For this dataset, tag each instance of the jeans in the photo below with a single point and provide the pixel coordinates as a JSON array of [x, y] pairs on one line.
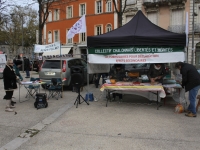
[[27, 73], [192, 98]]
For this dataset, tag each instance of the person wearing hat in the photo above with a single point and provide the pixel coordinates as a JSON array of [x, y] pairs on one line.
[[16, 66], [117, 72], [191, 83], [27, 67], [10, 79]]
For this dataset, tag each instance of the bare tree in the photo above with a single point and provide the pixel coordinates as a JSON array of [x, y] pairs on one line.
[[120, 9], [3, 16], [20, 26], [44, 7]]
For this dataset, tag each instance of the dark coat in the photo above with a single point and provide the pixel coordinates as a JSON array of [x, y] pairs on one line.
[[190, 76], [27, 64], [152, 73], [119, 75], [9, 78]]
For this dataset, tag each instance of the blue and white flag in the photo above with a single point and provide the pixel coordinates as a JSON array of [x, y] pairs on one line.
[[78, 27]]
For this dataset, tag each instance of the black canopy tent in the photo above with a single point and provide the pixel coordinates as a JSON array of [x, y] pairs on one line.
[[138, 31], [138, 41]]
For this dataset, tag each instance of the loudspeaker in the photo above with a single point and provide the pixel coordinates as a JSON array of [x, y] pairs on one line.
[[77, 76]]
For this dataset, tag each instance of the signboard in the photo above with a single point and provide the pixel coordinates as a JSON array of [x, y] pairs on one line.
[[98, 68], [2, 59], [47, 48], [134, 50], [137, 58], [136, 54]]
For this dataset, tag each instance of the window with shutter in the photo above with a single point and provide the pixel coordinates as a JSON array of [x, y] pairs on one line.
[[152, 16], [49, 37], [108, 28], [56, 14], [50, 17], [109, 6], [177, 17], [69, 12], [128, 18], [130, 2], [56, 36], [98, 7], [69, 40], [82, 9]]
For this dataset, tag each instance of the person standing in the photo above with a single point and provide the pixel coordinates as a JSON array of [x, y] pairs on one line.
[[104, 75], [27, 67], [117, 72], [191, 83], [10, 79], [16, 66], [40, 60]]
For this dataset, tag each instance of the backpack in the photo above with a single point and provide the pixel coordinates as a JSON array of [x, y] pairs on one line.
[[41, 101]]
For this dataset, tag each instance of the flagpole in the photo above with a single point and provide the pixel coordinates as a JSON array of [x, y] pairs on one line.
[[87, 66], [61, 71]]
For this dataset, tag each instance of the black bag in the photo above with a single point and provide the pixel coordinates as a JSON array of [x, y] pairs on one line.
[[41, 101]]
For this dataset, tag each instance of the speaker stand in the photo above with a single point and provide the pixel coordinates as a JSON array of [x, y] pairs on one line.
[[78, 100]]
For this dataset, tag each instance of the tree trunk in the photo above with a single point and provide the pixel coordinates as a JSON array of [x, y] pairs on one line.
[[40, 24], [119, 19]]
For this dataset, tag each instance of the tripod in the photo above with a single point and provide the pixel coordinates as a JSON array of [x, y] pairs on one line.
[[78, 100]]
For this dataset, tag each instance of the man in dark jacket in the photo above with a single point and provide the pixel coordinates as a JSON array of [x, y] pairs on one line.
[[156, 73], [27, 67], [191, 83]]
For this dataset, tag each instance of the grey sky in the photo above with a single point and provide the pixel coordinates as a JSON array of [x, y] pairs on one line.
[[32, 3]]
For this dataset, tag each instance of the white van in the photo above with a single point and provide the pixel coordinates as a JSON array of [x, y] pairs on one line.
[[2, 64]]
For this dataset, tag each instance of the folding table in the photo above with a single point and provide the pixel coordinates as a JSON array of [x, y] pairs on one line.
[[26, 84], [130, 88]]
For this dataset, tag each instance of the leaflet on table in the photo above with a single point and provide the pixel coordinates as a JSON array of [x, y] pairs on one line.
[[27, 82], [149, 84]]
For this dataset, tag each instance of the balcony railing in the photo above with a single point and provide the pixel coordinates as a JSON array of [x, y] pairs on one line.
[[197, 27], [162, 2], [177, 28]]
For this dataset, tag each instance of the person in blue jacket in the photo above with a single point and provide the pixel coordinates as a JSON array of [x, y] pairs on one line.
[[16, 67]]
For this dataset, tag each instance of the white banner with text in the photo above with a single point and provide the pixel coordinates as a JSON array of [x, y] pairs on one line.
[[47, 48], [137, 58]]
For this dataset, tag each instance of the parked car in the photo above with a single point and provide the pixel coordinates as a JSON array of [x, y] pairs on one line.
[[51, 68]]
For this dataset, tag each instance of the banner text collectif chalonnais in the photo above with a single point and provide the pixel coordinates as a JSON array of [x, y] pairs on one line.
[[134, 50]]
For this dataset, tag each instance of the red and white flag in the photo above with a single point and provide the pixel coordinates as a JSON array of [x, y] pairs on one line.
[[78, 27]]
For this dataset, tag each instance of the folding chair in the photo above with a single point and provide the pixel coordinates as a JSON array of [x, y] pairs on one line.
[[32, 89], [55, 89]]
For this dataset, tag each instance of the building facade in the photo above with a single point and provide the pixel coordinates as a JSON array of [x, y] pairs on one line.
[[101, 18]]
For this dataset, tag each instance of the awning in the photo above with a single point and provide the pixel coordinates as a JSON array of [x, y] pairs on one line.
[[56, 53]]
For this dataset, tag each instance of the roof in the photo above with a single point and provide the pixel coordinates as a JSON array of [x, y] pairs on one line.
[[138, 31]]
